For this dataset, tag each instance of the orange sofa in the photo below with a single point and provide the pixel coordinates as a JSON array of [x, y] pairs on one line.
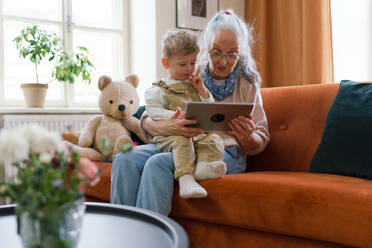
[[278, 203]]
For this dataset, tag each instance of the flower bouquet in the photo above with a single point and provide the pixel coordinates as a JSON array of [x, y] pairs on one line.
[[49, 187]]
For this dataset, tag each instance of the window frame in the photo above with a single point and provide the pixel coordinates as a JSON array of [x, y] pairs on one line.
[[1, 52], [67, 27]]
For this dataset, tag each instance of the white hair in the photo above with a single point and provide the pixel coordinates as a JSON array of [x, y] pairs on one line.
[[228, 20]]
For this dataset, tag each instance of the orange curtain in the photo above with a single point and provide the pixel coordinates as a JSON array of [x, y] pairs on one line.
[[293, 41]]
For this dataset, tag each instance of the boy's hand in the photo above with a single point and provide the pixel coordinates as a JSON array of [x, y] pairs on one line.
[[180, 114], [198, 84]]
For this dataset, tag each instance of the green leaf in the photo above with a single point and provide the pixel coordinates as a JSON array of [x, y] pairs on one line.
[[83, 48], [105, 142], [24, 52], [126, 148]]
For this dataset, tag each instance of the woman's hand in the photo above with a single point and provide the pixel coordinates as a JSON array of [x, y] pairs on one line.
[[198, 84], [175, 125], [243, 130]]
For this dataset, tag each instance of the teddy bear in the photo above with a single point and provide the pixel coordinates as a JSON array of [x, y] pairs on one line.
[[118, 101]]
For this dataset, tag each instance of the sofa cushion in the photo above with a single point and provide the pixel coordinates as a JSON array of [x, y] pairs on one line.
[[345, 145], [296, 117], [309, 205]]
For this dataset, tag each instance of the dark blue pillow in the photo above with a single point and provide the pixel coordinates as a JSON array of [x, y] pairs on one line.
[[346, 144], [138, 115]]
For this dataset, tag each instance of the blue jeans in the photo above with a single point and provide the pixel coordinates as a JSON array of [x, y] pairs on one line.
[[144, 177]]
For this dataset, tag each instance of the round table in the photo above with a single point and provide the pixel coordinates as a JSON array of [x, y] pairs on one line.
[[110, 225]]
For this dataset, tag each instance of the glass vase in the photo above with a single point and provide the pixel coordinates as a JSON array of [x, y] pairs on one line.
[[51, 227]]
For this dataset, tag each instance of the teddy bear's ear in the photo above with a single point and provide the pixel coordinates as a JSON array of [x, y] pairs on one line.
[[103, 81], [132, 79]]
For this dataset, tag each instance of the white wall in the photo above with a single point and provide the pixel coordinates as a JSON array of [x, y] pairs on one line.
[[236, 5], [165, 19], [143, 44], [149, 20]]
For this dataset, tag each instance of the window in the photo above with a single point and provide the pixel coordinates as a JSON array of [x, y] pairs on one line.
[[352, 39], [101, 26]]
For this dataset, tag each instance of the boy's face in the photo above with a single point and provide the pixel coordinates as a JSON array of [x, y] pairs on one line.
[[180, 66]]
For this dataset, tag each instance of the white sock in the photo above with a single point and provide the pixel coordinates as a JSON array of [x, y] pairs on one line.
[[189, 188], [210, 170]]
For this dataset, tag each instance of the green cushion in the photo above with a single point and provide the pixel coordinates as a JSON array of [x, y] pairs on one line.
[[346, 144]]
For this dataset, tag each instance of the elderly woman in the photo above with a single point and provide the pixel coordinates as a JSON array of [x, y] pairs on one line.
[[144, 176]]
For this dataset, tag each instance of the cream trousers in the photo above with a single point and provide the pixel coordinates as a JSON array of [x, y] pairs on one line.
[[187, 152]]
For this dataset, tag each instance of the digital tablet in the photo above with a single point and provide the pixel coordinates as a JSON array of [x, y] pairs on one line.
[[216, 116]]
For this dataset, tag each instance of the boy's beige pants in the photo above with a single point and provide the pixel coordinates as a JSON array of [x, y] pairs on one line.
[[187, 152]]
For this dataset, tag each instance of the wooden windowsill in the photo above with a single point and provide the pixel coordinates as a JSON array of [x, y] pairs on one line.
[[48, 110]]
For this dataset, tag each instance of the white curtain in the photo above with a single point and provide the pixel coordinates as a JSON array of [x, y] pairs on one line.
[[352, 39]]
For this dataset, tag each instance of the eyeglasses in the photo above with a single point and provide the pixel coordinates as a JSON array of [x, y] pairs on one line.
[[230, 57]]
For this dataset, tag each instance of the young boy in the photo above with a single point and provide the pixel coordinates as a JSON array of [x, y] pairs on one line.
[[180, 50]]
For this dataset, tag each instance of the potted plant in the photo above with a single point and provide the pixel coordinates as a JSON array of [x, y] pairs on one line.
[[36, 45]]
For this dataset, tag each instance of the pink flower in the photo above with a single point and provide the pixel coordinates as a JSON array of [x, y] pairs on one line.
[[90, 170]]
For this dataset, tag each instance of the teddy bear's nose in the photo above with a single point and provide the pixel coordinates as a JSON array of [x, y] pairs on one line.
[[121, 107]]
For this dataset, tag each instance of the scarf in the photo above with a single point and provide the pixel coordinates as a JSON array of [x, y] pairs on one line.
[[219, 92]]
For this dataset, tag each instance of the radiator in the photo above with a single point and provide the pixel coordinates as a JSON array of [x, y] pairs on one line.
[[57, 123], [53, 122]]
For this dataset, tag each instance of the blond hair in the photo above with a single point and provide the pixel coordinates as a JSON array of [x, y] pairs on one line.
[[177, 41]]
